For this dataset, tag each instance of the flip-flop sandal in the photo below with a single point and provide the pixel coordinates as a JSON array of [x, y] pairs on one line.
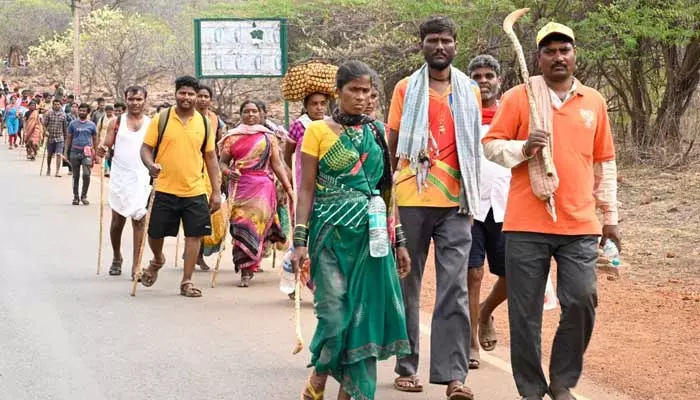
[[488, 337], [149, 276], [310, 392], [188, 289], [474, 363], [460, 392], [410, 384], [116, 268]]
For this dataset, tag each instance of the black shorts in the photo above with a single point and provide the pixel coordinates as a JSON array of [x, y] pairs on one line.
[[169, 210], [489, 241]]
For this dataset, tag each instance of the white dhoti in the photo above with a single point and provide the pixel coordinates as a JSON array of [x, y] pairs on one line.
[[129, 186]]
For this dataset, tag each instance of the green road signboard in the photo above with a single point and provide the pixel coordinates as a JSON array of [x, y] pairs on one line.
[[227, 48]]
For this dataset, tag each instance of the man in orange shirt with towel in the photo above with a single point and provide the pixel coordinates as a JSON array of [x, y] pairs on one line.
[[554, 215]]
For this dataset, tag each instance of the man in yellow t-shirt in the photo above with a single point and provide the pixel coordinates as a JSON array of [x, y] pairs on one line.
[[176, 160]]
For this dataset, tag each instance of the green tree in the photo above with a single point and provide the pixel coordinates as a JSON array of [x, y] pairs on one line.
[[53, 56], [649, 53], [26, 21], [117, 50], [120, 49]]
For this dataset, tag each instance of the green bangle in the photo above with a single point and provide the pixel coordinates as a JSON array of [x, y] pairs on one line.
[[301, 236]]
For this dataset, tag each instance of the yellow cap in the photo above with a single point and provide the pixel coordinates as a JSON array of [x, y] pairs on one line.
[[554, 27]]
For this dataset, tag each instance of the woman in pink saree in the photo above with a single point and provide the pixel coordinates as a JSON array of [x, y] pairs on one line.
[[249, 158]]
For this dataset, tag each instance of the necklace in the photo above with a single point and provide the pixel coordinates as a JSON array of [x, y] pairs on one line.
[[350, 120]]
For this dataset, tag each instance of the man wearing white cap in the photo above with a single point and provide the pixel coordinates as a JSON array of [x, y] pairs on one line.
[[560, 173]]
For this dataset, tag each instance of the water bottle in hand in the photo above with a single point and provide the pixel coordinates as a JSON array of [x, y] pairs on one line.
[[611, 252], [288, 277], [378, 235]]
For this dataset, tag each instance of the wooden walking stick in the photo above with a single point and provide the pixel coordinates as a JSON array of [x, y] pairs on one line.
[[508, 28], [43, 159], [229, 202], [299, 346], [177, 244], [102, 213], [147, 221]]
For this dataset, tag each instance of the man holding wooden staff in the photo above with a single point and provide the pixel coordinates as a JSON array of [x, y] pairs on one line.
[[551, 210], [129, 183]]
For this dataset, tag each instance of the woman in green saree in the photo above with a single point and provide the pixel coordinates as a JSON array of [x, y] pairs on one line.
[[358, 300]]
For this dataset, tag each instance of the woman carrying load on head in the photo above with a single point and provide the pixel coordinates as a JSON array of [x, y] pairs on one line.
[[250, 158], [315, 100], [359, 306]]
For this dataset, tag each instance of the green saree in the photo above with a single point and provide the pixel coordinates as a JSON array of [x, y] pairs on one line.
[[358, 299]]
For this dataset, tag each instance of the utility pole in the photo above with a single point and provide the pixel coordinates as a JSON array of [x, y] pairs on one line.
[[76, 48]]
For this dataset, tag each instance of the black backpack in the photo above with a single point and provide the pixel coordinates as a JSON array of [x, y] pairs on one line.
[[163, 118]]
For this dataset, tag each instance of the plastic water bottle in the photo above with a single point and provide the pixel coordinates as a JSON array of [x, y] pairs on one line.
[[378, 235], [287, 276], [611, 252], [550, 296]]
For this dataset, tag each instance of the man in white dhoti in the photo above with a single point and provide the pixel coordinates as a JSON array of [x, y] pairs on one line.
[[129, 185]]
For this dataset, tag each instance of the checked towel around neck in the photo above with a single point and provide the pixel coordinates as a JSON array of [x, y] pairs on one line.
[[414, 132]]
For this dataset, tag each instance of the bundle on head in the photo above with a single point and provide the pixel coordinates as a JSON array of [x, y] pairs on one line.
[[315, 76]]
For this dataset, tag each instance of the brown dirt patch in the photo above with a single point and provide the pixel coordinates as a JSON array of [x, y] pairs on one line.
[[647, 336]]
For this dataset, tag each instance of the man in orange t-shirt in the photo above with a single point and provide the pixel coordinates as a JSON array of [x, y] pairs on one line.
[[437, 201], [584, 159]]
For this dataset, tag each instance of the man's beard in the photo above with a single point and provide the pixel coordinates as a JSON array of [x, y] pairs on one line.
[[180, 104], [440, 65], [135, 111]]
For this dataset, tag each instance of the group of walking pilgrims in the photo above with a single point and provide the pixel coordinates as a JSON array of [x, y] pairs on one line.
[[456, 164]]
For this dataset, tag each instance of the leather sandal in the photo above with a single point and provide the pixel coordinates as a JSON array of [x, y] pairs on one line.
[[149, 276], [188, 289], [116, 268]]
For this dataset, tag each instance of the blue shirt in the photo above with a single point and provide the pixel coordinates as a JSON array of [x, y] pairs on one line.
[[82, 133]]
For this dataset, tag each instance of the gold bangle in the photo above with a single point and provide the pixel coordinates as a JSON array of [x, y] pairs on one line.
[[302, 225]]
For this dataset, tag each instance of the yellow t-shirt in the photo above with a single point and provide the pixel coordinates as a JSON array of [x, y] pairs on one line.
[[318, 139], [180, 154]]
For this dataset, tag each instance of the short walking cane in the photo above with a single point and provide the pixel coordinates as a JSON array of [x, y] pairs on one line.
[[147, 221], [229, 202], [102, 214]]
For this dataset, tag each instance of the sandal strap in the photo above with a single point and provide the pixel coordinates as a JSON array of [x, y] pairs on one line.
[[311, 391], [413, 379]]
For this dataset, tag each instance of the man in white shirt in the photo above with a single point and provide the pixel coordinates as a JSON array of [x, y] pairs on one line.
[[488, 240]]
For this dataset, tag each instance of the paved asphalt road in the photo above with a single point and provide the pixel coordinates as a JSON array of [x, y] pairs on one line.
[[69, 334]]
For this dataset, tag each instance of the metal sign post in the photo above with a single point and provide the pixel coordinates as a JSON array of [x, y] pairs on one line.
[[231, 48]]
